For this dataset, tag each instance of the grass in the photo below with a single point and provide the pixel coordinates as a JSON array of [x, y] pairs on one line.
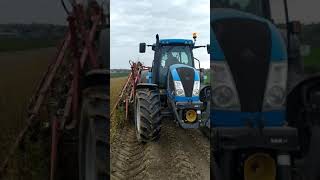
[[115, 75], [19, 72], [312, 62], [117, 120], [18, 44]]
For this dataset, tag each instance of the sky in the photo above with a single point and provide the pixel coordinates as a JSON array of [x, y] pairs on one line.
[[133, 22]]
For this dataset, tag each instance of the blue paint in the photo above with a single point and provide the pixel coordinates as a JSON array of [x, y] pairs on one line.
[[228, 118], [224, 118], [176, 77], [149, 75], [176, 41], [187, 99], [278, 47]]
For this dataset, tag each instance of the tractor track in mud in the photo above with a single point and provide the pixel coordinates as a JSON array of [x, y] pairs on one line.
[[178, 154]]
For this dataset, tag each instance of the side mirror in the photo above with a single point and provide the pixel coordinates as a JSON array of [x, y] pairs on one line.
[[295, 27], [142, 47], [208, 48], [153, 47]]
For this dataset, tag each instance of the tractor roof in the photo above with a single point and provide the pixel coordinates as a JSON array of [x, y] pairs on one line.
[[176, 41]]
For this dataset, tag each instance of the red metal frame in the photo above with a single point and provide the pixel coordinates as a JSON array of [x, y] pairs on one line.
[[79, 43], [127, 94]]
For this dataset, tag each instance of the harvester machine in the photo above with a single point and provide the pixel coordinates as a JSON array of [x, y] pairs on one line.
[[73, 95], [265, 111]]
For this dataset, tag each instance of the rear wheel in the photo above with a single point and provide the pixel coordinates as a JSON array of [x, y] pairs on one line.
[[147, 115], [93, 135], [104, 49]]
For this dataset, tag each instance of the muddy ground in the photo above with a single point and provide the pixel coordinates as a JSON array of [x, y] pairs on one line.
[[178, 154]]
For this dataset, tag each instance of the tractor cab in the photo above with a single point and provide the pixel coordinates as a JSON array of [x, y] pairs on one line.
[[172, 52], [168, 52]]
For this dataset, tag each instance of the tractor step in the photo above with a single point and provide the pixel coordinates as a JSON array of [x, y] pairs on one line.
[[166, 113]]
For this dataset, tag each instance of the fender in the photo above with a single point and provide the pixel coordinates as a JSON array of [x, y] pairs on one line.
[[205, 93], [147, 85], [296, 98], [96, 77]]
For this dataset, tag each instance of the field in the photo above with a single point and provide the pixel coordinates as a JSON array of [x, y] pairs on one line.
[[18, 44], [19, 72], [184, 154], [115, 75], [118, 119]]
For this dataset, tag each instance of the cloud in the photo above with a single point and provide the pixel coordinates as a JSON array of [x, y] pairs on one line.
[[133, 22]]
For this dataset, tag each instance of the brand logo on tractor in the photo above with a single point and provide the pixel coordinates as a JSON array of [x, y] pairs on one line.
[[278, 140]]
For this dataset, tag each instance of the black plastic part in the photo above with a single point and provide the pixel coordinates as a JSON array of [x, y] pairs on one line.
[[284, 172], [186, 75], [247, 52], [142, 47], [147, 85], [273, 138]]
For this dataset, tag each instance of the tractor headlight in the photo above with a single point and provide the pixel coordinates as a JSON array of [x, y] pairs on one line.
[[223, 96], [179, 88], [196, 88], [224, 93], [275, 96]]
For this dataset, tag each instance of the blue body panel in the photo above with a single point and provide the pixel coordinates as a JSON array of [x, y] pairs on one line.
[[176, 77], [176, 41], [149, 77], [227, 118], [223, 118], [278, 51]]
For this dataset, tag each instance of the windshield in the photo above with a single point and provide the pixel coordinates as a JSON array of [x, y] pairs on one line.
[[250, 6], [176, 55]]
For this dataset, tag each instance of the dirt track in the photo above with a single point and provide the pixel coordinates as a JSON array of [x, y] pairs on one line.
[[179, 154]]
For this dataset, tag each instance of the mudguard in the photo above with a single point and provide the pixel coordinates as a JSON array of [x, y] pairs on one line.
[[205, 93], [296, 98], [303, 112], [96, 77], [147, 85]]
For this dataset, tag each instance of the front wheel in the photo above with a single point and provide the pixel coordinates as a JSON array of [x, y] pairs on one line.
[[147, 115]]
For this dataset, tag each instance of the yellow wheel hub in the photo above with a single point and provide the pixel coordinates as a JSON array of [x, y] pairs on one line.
[[260, 166], [191, 116]]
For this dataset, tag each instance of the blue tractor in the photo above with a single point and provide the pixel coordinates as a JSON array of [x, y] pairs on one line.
[[172, 88], [265, 113]]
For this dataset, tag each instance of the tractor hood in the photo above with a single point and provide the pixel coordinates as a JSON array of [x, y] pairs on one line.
[[188, 76], [247, 50], [218, 16]]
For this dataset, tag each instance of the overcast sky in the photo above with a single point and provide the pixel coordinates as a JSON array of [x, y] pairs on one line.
[[28, 11], [138, 21], [135, 21]]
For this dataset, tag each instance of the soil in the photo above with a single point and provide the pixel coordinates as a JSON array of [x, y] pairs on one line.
[[178, 154]]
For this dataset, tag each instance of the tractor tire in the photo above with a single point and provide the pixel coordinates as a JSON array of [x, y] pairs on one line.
[[104, 49], [93, 134], [147, 115]]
